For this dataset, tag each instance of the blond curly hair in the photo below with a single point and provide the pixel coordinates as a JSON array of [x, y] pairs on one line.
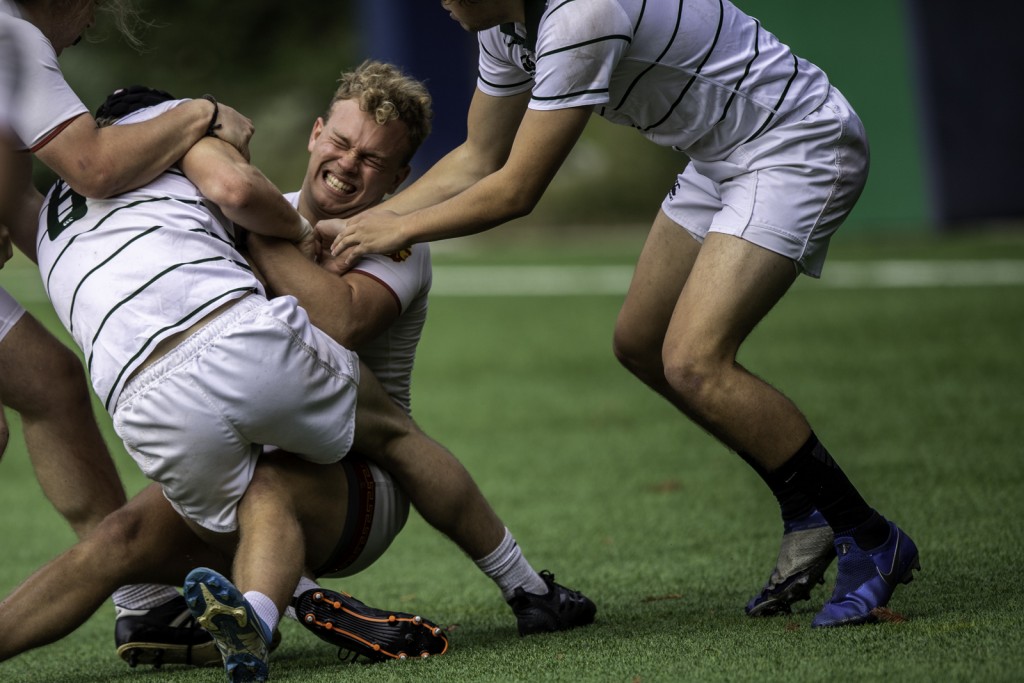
[[384, 91]]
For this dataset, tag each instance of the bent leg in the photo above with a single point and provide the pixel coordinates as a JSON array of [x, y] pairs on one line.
[[732, 286], [144, 541], [319, 499], [689, 308], [436, 482], [271, 546], [664, 264], [43, 381]]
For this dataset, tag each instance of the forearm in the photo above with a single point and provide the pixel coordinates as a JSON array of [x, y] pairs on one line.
[[452, 174], [103, 162], [285, 270], [488, 203], [325, 296], [258, 204], [504, 187], [243, 193]]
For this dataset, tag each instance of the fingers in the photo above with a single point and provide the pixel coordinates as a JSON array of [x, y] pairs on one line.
[[337, 245], [345, 257], [333, 265], [235, 129]]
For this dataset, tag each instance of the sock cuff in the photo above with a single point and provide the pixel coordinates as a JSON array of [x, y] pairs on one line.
[[504, 553], [143, 596], [784, 471]]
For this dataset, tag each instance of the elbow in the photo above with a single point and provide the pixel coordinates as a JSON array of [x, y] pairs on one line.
[[231, 191], [521, 202], [97, 182]]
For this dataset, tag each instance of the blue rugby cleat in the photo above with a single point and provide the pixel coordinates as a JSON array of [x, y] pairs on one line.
[[867, 578], [239, 633]]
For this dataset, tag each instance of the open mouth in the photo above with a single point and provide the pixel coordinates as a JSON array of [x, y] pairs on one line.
[[337, 184]]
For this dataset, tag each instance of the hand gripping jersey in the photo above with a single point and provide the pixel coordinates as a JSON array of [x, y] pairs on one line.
[[408, 277], [697, 75]]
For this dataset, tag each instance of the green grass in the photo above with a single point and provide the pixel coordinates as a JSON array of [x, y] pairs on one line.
[[919, 393]]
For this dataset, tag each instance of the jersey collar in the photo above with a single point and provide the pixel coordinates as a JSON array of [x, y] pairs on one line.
[[534, 10]]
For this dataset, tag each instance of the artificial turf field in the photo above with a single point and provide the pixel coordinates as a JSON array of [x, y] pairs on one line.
[[917, 388]]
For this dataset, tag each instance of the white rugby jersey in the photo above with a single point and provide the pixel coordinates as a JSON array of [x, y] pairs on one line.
[[10, 67], [408, 276], [697, 75], [127, 272], [45, 102]]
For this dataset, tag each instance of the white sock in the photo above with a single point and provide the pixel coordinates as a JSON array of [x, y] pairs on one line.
[[509, 569], [143, 596], [305, 584], [264, 608]]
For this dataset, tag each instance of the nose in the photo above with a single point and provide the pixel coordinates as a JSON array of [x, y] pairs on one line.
[[350, 160]]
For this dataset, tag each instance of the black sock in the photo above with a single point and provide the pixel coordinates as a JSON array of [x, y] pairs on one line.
[[792, 503], [814, 473]]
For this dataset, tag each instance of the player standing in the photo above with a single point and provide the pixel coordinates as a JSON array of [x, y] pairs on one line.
[[778, 158]]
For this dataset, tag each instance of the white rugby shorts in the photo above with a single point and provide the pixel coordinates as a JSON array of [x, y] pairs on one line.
[[788, 190], [260, 373], [10, 313]]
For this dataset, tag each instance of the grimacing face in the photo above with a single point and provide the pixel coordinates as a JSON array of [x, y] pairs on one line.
[[353, 162]]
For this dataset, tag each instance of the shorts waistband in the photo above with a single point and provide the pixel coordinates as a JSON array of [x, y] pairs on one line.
[[193, 345]]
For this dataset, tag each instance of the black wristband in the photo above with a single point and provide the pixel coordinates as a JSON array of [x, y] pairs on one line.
[[211, 130]]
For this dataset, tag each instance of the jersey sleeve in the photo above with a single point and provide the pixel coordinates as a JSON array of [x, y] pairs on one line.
[[406, 274], [45, 102], [498, 74], [578, 48]]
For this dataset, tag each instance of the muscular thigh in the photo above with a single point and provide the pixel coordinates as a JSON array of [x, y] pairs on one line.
[[349, 511], [33, 365], [319, 494], [732, 286], [662, 270], [154, 543]]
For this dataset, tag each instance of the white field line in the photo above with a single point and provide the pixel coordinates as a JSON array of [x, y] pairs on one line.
[[576, 280]]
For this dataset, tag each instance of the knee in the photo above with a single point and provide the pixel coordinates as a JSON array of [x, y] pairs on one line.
[[117, 536], [640, 356], [694, 378], [66, 391], [67, 374]]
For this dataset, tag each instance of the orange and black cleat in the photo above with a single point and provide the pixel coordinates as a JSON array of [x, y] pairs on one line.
[[378, 635]]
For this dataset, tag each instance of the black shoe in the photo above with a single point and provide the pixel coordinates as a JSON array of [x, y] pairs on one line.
[[560, 609], [163, 635], [378, 635]]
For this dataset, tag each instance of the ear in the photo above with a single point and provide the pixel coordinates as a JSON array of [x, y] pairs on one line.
[[318, 128], [400, 177]]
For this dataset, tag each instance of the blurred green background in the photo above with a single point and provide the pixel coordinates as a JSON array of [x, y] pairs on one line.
[[277, 63]]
